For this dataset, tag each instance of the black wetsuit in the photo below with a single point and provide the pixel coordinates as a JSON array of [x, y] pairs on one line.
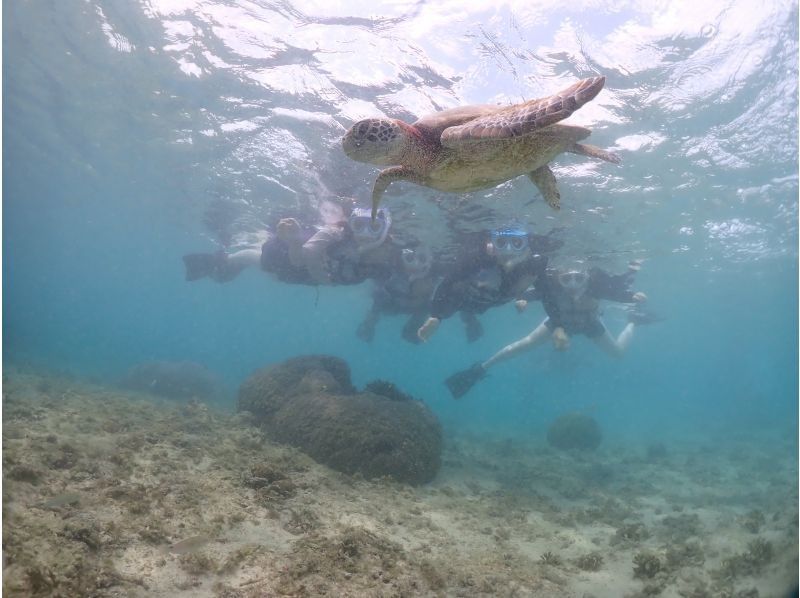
[[580, 315], [401, 295], [275, 259], [346, 265], [478, 282]]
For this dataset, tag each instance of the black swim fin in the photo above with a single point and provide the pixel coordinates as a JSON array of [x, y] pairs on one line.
[[199, 265], [461, 382]]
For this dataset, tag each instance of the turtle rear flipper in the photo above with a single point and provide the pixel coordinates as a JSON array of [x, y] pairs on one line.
[[461, 382], [584, 149]]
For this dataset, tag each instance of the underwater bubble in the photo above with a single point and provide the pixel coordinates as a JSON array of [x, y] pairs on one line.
[[708, 30]]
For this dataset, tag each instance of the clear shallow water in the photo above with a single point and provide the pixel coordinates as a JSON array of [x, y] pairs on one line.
[[137, 132]]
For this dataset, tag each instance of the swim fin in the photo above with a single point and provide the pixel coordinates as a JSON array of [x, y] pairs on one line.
[[199, 265], [461, 382]]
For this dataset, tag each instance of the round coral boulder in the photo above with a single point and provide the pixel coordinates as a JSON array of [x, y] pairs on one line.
[[574, 431], [310, 403]]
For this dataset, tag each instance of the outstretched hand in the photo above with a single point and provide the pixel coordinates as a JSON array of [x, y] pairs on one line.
[[521, 305]]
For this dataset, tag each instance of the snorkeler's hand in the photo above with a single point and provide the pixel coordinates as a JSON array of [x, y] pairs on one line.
[[427, 329], [560, 339], [639, 297], [521, 305]]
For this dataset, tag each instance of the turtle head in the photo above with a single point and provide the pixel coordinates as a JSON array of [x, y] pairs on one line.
[[376, 141]]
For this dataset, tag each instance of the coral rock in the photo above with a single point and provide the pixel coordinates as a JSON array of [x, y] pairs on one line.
[[310, 403]]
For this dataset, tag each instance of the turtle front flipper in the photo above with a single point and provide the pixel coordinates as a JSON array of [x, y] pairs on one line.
[[525, 118], [387, 177], [545, 180]]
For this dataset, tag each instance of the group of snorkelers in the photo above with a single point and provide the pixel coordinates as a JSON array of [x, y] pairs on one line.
[[491, 268]]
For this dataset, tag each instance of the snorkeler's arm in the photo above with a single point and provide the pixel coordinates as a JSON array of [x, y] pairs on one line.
[[613, 287], [535, 268], [528, 295], [446, 301], [533, 292], [449, 294]]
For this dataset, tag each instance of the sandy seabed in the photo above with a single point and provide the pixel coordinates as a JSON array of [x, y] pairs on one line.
[[109, 493]]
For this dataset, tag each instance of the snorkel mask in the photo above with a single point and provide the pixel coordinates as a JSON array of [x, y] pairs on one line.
[[574, 280], [367, 232], [509, 240], [509, 245], [416, 262]]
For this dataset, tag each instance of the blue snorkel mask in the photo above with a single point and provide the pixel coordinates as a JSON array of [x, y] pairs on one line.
[[509, 241], [368, 232]]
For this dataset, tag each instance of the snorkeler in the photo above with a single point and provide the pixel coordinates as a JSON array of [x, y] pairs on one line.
[[338, 253], [570, 298], [408, 290], [496, 269]]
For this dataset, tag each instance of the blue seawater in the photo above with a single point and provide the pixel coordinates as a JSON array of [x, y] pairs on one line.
[[136, 132]]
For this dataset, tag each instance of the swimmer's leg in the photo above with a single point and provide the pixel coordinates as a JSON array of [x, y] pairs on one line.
[[414, 322], [461, 382], [615, 347], [472, 326], [245, 258], [366, 330], [526, 343], [219, 266]]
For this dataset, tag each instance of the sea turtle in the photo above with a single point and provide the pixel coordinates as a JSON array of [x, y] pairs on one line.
[[476, 147]]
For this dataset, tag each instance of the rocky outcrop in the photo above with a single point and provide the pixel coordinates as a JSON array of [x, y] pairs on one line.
[[309, 402]]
